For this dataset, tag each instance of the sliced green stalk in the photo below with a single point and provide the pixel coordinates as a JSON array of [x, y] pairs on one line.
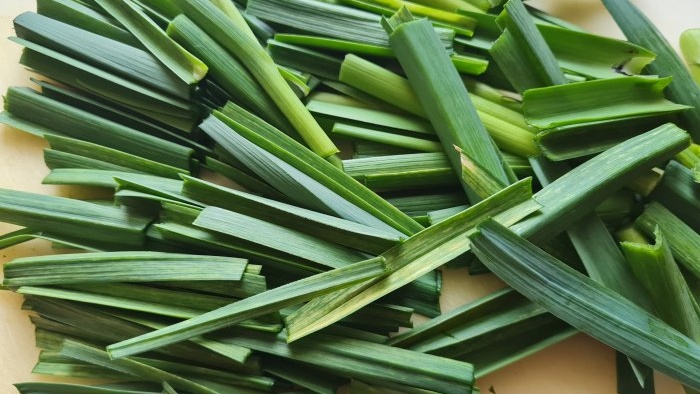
[[200, 239], [690, 47], [66, 388], [112, 156], [165, 9], [120, 267], [656, 269], [76, 123], [323, 226], [478, 179], [226, 69], [304, 59], [179, 114], [598, 100], [117, 114], [338, 21], [585, 304], [258, 61], [595, 56], [598, 251], [76, 14], [639, 30], [276, 237], [216, 377], [347, 112], [334, 44], [489, 332], [442, 95], [235, 14], [182, 63], [328, 175], [599, 254], [93, 355], [495, 331], [468, 312], [59, 160], [243, 179], [302, 375], [119, 298], [461, 23], [584, 139], [167, 389], [75, 369], [381, 83], [519, 44], [300, 186], [112, 56], [103, 327], [598, 178], [455, 5], [84, 177], [416, 256], [507, 127], [261, 304], [396, 172], [366, 360], [249, 285], [421, 204], [469, 64], [412, 143], [681, 239], [413, 170], [72, 218], [678, 192], [639, 154]]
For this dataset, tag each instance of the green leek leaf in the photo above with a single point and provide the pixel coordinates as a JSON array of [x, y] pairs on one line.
[[187, 67], [442, 96], [263, 303], [416, 256], [119, 267], [656, 269], [585, 304], [639, 30], [599, 100]]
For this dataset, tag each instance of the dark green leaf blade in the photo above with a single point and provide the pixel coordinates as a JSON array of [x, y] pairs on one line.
[[587, 305]]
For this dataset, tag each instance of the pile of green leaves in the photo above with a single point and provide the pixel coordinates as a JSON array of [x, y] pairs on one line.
[[290, 180]]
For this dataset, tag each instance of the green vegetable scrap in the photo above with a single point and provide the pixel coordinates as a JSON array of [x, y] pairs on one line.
[[282, 184]]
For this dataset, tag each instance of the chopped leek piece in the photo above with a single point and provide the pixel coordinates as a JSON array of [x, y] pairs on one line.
[[185, 65], [443, 97], [585, 304]]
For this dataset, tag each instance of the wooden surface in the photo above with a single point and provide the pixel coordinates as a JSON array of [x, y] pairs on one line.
[[579, 365]]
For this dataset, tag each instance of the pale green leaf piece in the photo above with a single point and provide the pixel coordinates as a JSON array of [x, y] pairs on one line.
[[683, 241], [690, 47], [599, 100], [656, 269]]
